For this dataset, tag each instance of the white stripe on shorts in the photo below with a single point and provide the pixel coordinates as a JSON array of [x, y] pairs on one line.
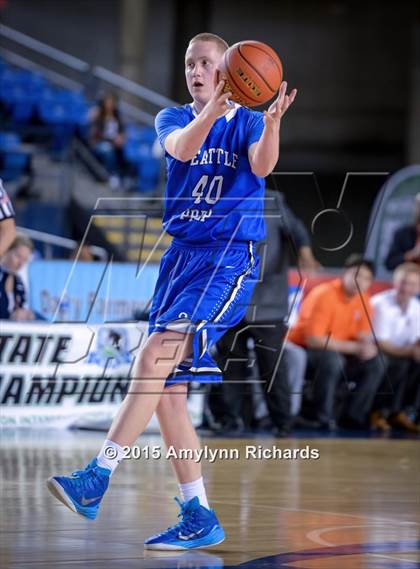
[[237, 287]]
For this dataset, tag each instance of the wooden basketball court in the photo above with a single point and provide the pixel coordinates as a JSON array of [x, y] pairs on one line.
[[356, 506]]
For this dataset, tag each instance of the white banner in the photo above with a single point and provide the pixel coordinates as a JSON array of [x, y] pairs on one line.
[[69, 375]]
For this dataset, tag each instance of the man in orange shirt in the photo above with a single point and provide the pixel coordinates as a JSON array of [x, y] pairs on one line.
[[334, 326]]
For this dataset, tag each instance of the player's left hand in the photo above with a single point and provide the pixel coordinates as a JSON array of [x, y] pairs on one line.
[[277, 109]]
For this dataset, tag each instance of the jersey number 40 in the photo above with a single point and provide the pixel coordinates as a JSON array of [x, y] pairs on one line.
[[212, 190]]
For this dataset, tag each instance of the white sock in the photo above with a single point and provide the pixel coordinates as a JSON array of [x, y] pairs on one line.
[[110, 455], [192, 489]]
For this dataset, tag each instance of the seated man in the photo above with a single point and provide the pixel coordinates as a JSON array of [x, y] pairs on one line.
[[396, 323], [12, 290], [333, 325]]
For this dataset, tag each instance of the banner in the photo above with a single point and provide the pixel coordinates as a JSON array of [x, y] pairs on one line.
[[394, 207], [67, 291], [66, 375]]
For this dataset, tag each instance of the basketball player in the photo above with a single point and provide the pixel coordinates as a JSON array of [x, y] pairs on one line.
[[217, 157]]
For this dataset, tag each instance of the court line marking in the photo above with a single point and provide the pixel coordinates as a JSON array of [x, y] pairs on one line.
[[359, 516], [393, 558], [268, 507], [315, 536]]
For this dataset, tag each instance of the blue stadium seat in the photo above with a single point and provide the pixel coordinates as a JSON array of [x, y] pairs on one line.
[[27, 95], [13, 161], [140, 134], [19, 91], [57, 110], [12, 165], [138, 151], [148, 174], [9, 141]]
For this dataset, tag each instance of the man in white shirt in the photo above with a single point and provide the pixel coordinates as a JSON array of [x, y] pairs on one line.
[[396, 323]]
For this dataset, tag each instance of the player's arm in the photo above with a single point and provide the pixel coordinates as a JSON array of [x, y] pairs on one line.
[[184, 143], [264, 154], [7, 234]]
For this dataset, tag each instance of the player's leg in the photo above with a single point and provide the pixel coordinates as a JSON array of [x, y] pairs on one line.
[[178, 432], [199, 526], [162, 353], [216, 309], [84, 490]]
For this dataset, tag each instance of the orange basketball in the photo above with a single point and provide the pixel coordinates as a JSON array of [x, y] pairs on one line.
[[252, 71]]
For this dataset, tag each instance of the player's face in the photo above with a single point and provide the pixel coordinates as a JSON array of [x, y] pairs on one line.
[[201, 61], [357, 278]]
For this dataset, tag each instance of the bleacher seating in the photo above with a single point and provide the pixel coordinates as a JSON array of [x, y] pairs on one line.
[[27, 97], [138, 152], [13, 160]]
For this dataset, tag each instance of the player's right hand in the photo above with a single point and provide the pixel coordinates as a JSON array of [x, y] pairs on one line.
[[219, 103]]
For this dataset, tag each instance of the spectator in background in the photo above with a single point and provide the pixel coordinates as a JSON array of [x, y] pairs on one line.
[[296, 361], [397, 329], [107, 137], [405, 246], [265, 324], [13, 303], [82, 252], [334, 327], [7, 221]]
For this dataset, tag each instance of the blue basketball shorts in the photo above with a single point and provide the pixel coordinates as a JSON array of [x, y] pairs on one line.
[[203, 290]]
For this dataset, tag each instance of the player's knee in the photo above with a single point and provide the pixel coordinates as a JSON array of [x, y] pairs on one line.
[[146, 362], [172, 402]]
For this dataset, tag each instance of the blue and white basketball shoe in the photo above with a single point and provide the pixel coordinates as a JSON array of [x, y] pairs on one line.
[[198, 528], [83, 491]]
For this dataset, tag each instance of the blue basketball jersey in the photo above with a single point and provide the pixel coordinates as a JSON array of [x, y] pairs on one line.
[[214, 197]]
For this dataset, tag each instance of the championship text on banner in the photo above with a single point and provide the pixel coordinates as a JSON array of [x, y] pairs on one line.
[[69, 374]]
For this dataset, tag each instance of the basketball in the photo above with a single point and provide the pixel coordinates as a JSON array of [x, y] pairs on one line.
[[252, 71]]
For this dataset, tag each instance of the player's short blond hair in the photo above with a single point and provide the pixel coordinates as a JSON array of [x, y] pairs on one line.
[[406, 269], [207, 36]]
